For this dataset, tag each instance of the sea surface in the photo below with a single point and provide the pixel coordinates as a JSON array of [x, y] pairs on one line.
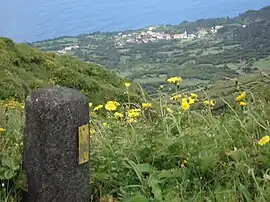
[[34, 20]]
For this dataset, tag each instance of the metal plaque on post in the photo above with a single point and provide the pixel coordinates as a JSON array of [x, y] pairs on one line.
[[83, 144]]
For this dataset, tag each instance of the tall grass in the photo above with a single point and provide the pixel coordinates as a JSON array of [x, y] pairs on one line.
[[165, 155]]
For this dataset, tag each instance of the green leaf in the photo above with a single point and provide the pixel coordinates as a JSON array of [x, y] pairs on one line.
[[136, 198], [2, 172], [14, 120], [245, 192], [145, 168], [102, 177], [236, 154], [21, 182], [10, 163], [9, 174], [156, 190]]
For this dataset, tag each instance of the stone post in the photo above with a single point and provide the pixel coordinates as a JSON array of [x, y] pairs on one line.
[[56, 146]]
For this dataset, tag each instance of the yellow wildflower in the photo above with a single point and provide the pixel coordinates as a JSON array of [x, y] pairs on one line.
[[188, 100], [111, 105], [264, 140], [175, 80], [193, 95], [106, 125], [2, 130], [242, 103], [118, 115], [127, 84], [241, 96], [94, 114], [90, 104], [176, 97], [12, 105], [185, 104], [98, 107], [146, 105], [92, 131], [212, 103], [132, 120], [133, 113], [184, 163], [191, 100]]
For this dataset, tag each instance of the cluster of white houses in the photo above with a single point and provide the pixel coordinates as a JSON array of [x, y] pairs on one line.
[[68, 48], [150, 36]]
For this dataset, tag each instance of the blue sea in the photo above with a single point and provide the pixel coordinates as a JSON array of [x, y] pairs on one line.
[[33, 20]]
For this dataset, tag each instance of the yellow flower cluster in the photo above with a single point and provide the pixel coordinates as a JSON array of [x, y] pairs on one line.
[[12, 104], [193, 96], [186, 103], [98, 107], [264, 140], [2, 130], [132, 120], [111, 105], [118, 115], [240, 99], [210, 103], [184, 163], [175, 80], [147, 105], [127, 84], [176, 97], [92, 131], [134, 113]]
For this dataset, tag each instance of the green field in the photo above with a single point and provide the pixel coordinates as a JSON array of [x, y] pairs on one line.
[[263, 63]]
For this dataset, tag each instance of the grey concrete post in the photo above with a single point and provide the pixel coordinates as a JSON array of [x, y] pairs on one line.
[[56, 146]]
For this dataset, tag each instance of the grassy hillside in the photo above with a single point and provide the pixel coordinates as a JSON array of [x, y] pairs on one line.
[[23, 69], [167, 150], [230, 52]]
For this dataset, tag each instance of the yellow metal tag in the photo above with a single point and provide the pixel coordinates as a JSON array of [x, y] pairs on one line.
[[83, 144]]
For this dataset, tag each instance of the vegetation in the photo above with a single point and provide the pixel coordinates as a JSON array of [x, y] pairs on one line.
[[23, 69], [231, 52], [173, 149], [203, 137]]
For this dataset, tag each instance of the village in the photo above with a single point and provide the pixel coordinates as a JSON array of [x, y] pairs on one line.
[[150, 35]]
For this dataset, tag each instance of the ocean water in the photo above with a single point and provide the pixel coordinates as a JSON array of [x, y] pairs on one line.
[[33, 20]]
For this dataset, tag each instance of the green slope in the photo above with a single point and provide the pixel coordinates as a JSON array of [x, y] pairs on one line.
[[23, 69]]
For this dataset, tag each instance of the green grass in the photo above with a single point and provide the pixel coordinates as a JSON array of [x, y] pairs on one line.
[[263, 63], [188, 155], [24, 69], [201, 154], [67, 40]]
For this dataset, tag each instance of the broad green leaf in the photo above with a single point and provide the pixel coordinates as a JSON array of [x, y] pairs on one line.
[[11, 163], [102, 177], [156, 190], [2, 172], [145, 168], [245, 193], [9, 174], [137, 198], [21, 182]]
